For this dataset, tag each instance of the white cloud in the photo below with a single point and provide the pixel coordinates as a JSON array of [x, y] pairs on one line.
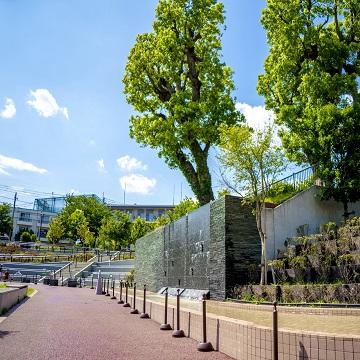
[[256, 116], [45, 104], [101, 165], [3, 172], [92, 142], [130, 163], [136, 183], [17, 164], [9, 109]]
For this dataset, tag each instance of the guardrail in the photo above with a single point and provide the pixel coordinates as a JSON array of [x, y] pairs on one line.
[[298, 179]]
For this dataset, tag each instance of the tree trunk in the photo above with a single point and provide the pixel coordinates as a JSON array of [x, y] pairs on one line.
[[258, 211], [199, 178]]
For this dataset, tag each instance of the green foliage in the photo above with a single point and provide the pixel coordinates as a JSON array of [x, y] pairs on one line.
[[19, 233], [255, 162], [130, 276], [181, 89], [56, 230], [311, 83], [115, 231], [139, 227], [94, 212], [5, 219], [279, 269], [223, 192], [180, 210], [27, 236]]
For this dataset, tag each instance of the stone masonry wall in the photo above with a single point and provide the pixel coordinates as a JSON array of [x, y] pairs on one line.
[[242, 242], [149, 260], [209, 249]]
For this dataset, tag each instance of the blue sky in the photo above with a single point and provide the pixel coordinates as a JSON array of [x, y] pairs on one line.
[[63, 114]]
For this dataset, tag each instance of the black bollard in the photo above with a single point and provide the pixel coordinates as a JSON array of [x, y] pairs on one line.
[[107, 288], [144, 314], [165, 325], [178, 333], [113, 291], [134, 309], [62, 280], [275, 332], [92, 281], [126, 295], [121, 301], [103, 285], [204, 346]]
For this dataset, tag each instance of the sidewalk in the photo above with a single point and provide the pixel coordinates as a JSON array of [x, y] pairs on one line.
[[71, 323]]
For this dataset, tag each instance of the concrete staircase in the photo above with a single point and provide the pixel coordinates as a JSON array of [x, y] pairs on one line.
[[116, 270]]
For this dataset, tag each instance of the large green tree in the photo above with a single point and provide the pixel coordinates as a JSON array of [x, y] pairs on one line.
[[93, 210], [115, 231], [5, 219], [181, 89], [311, 81]]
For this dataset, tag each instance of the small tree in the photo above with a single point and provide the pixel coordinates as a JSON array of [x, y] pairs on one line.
[[56, 230], [255, 162], [5, 219]]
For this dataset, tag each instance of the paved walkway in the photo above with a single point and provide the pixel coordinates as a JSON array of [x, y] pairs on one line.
[[71, 323]]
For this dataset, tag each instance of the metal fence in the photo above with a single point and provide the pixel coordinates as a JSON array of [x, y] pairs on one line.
[[298, 180]]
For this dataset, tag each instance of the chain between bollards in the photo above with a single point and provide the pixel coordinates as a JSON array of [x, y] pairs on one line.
[[178, 333], [144, 314], [126, 295], [275, 332], [165, 325], [204, 346], [134, 310], [121, 301]]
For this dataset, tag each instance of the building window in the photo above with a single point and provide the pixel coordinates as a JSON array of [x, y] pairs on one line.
[[141, 213], [25, 216], [45, 219]]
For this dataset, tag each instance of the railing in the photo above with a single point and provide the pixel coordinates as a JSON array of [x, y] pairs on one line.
[[297, 180]]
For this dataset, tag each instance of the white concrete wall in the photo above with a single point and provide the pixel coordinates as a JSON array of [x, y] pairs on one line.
[[304, 208]]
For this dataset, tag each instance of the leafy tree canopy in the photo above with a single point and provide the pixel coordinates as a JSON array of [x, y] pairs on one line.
[[5, 219], [93, 211], [311, 81], [180, 88], [56, 230], [115, 231], [181, 209], [139, 228]]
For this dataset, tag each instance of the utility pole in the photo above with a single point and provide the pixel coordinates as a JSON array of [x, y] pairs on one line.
[[103, 198], [124, 193], [174, 195], [13, 218]]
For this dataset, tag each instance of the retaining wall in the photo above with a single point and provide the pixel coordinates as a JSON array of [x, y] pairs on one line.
[[244, 341], [12, 295], [209, 249]]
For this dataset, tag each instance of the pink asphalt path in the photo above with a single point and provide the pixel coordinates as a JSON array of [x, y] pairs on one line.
[[70, 323]]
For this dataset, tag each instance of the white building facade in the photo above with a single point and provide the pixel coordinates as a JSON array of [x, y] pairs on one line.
[[29, 219]]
